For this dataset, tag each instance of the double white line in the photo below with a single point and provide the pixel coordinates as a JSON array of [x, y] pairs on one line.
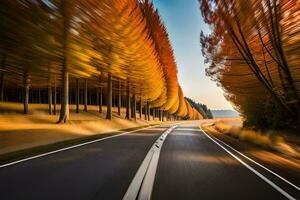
[[142, 183]]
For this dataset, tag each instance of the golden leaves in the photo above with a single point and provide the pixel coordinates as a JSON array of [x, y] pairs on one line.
[[123, 37]]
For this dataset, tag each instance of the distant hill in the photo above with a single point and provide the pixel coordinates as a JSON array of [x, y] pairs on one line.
[[201, 108], [224, 113]]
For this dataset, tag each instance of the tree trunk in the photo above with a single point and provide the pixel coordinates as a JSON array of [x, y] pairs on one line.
[[128, 114], [145, 113], [159, 115], [119, 99], [153, 113], [148, 111], [26, 92], [66, 11], [97, 97], [50, 99], [2, 78], [109, 97], [54, 99], [134, 107], [2, 86], [100, 100], [85, 95], [39, 96], [141, 108], [77, 95], [64, 110], [113, 99]]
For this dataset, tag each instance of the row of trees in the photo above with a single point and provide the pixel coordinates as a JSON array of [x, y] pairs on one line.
[[201, 108], [253, 52], [111, 48]]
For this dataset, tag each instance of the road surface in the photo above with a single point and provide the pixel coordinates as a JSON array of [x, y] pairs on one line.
[[191, 165]]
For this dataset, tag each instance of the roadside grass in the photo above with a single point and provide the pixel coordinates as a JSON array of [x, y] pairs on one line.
[[265, 140], [36, 133]]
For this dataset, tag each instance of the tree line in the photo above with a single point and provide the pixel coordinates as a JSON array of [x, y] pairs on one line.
[[253, 53], [201, 108], [112, 52]]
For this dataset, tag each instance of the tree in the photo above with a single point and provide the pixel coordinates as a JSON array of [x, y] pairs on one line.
[[247, 56]]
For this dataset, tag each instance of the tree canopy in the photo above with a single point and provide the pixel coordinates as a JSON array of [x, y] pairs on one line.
[[253, 54], [55, 42]]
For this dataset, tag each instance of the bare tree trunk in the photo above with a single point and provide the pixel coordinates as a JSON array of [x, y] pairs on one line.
[[97, 96], [148, 111], [39, 95], [100, 100], [64, 110], [85, 95], [141, 108], [128, 102], [2, 78], [119, 99], [145, 113], [153, 113], [54, 99], [134, 107], [26, 92], [113, 99], [66, 7], [50, 99], [77, 95], [159, 115], [109, 97]]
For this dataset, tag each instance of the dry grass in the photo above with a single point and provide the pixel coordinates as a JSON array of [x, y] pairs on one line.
[[18, 131], [262, 139]]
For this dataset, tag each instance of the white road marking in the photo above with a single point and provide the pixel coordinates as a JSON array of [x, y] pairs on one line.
[[260, 165], [142, 184], [70, 147], [276, 187]]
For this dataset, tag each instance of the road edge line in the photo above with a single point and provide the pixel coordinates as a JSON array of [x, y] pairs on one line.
[[276, 187], [70, 147], [260, 165]]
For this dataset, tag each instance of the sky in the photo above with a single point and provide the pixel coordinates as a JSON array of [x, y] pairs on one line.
[[184, 23]]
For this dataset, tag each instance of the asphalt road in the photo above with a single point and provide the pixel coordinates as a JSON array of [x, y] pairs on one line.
[[191, 166]]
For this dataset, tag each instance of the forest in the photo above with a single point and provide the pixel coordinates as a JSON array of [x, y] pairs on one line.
[[85, 52], [201, 108], [253, 53]]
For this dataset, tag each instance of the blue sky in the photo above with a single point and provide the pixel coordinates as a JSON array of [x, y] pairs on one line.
[[184, 24]]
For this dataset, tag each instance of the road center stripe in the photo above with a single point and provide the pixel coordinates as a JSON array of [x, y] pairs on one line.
[[142, 184]]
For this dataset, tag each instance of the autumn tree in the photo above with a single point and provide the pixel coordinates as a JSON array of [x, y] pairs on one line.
[[249, 56]]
